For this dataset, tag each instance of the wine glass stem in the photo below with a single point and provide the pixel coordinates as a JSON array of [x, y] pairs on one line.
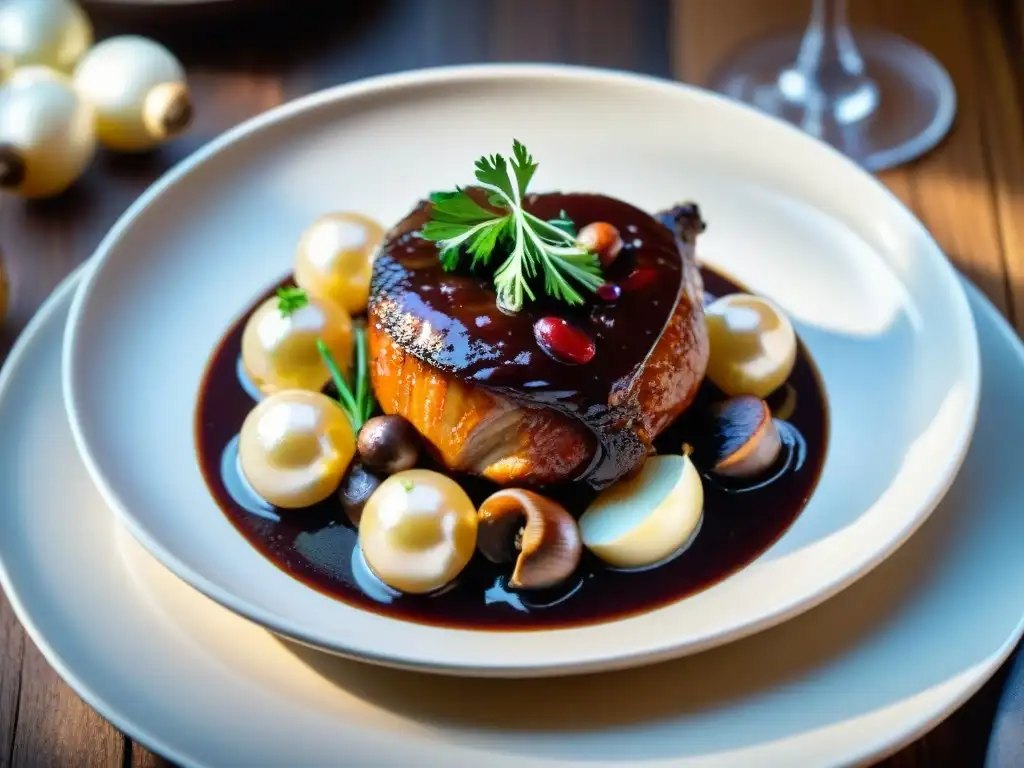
[[828, 74], [827, 40]]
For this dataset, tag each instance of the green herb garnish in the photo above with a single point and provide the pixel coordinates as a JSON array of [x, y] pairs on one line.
[[407, 484], [290, 299], [357, 404], [458, 223]]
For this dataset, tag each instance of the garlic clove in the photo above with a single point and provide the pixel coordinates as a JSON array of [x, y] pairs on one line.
[[139, 91], [55, 33], [642, 521], [47, 135]]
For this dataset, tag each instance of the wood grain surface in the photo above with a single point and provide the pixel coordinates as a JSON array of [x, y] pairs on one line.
[[245, 57]]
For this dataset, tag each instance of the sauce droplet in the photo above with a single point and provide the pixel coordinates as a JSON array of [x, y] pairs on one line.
[[608, 292], [562, 341], [639, 278]]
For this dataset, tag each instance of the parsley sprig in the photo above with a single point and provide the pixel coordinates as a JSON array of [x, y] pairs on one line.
[[357, 400], [458, 223], [291, 299]]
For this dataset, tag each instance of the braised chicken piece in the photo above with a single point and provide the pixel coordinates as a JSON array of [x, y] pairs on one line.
[[554, 392]]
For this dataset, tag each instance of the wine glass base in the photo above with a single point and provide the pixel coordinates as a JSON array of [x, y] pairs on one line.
[[916, 98]]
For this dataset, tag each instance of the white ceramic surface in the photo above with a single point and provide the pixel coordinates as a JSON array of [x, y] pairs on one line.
[[845, 683], [869, 292]]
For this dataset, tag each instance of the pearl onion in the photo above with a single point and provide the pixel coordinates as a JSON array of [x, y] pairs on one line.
[[281, 352], [334, 258], [46, 133], [294, 448], [753, 345], [138, 90], [418, 531], [54, 33]]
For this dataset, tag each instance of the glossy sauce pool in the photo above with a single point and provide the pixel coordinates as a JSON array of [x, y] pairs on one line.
[[319, 546]]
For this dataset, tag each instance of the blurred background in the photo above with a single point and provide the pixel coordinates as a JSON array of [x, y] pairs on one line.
[[245, 56]]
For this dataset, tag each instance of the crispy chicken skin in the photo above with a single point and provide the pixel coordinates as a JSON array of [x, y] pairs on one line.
[[472, 430], [470, 427]]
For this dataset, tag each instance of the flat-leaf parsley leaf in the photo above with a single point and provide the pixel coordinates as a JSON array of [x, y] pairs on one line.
[[291, 299], [459, 224]]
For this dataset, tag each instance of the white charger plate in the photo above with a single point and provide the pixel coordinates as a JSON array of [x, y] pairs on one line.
[[871, 295], [844, 684]]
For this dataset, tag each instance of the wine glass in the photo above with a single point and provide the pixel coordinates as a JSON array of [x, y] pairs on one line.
[[879, 99]]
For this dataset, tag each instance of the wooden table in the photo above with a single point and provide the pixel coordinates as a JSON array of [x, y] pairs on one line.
[[969, 192]]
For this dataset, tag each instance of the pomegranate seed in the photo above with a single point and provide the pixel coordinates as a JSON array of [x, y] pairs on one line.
[[639, 278], [608, 292], [603, 239], [562, 341]]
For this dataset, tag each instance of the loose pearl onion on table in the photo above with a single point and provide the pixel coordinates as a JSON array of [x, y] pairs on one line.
[[54, 33], [47, 133], [294, 448], [280, 351], [334, 258], [133, 88], [753, 345], [138, 90], [418, 531]]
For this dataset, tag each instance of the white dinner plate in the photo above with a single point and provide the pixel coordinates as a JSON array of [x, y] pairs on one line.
[[847, 682], [877, 304]]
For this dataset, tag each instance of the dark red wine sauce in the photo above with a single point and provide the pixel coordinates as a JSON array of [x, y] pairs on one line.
[[319, 546]]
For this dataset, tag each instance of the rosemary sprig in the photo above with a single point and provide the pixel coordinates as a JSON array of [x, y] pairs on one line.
[[364, 392], [357, 405]]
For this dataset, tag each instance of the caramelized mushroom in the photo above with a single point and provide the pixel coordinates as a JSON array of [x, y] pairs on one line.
[[389, 444], [748, 442], [535, 531], [355, 490]]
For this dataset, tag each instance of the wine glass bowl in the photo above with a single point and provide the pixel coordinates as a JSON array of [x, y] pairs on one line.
[[874, 96]]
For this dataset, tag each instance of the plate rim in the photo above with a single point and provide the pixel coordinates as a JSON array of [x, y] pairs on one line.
[[20, 349], [387, 83], [123, 720]]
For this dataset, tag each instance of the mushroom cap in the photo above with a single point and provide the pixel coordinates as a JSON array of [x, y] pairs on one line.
[[748, 439], [536, 532]]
